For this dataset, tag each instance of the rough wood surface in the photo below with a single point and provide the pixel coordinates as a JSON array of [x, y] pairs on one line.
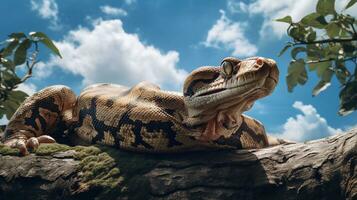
[[320, 169]]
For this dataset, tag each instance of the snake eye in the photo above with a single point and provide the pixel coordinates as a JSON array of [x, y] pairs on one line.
[[227, 68]]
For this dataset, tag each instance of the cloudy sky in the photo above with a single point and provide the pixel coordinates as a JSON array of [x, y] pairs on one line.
[[127, 41]]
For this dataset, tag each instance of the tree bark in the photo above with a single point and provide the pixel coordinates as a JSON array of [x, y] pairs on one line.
[[320, 169]]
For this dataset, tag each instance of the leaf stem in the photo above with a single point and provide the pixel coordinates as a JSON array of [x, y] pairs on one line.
[[30, 65]]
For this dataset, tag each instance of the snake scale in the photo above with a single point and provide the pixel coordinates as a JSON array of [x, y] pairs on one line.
[[146, 119]]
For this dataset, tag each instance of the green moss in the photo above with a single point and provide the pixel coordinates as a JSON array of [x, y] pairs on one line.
[[107, 171], [43, 150], [5, 150], [98, 170], [132, 163], [49, 149], [82, 152]]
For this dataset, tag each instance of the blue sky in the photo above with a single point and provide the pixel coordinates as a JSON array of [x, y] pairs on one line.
[[127, 41]]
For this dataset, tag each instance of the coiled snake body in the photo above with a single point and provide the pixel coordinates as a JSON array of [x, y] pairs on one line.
[[144, 118]]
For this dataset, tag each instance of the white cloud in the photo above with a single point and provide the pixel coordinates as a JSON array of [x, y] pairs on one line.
[[272, 10], [230, 35], [109, 10], [237, 6], [3, 121], [129, 2], [350, 127], [259, 108], [29, 88], [47, 9], [42, 70], [308, 126], [109, 54]]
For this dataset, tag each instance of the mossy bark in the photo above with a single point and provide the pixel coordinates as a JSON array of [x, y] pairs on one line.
[[321, 169]]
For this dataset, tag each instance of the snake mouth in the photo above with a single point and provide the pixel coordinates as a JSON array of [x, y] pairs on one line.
[[221, 91], [224, 87], [214, 91]]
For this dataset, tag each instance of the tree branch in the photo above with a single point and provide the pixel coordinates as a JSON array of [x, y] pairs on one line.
[[29, 65], [330, 59], [321, 169], [336, 40]]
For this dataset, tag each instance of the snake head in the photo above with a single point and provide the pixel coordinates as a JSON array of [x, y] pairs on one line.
[[224, 92]]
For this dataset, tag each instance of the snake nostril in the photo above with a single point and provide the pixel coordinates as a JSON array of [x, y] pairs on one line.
[[259, 62]]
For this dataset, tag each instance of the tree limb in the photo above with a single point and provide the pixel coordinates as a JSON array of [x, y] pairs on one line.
[[320, 169], [330, 59], [335, 40]]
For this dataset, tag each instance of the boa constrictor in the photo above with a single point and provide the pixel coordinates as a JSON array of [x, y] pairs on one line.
[[144, 118]]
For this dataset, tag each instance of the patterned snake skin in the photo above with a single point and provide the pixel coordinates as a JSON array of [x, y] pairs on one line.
[[146, 119]]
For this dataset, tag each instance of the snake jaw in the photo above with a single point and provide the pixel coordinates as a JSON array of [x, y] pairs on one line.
[[223, 124], [220, 126]]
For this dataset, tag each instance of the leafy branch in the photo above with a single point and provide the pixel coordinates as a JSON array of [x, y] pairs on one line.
[[325, 42], [12, 55], [336, 40], [331, 59]]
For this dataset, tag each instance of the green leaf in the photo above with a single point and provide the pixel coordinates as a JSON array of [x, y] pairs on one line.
[[348, 98], [17, 96], [313, 52], [8, 64], [9, 78], [321, 86], [296, 74], [327, 75], [333, 30], [10, 47], [315, 20], [294, 33], [351, 3], [297, 32], [10, 108], [286, 19], [311, 36], [325, 7], [341, 76], [284, 49], [323, 70], [348, 48], [9, 75], [44, 39], [296, 51], [21, 52], [332, 51], [18, 36], [320, 67]]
